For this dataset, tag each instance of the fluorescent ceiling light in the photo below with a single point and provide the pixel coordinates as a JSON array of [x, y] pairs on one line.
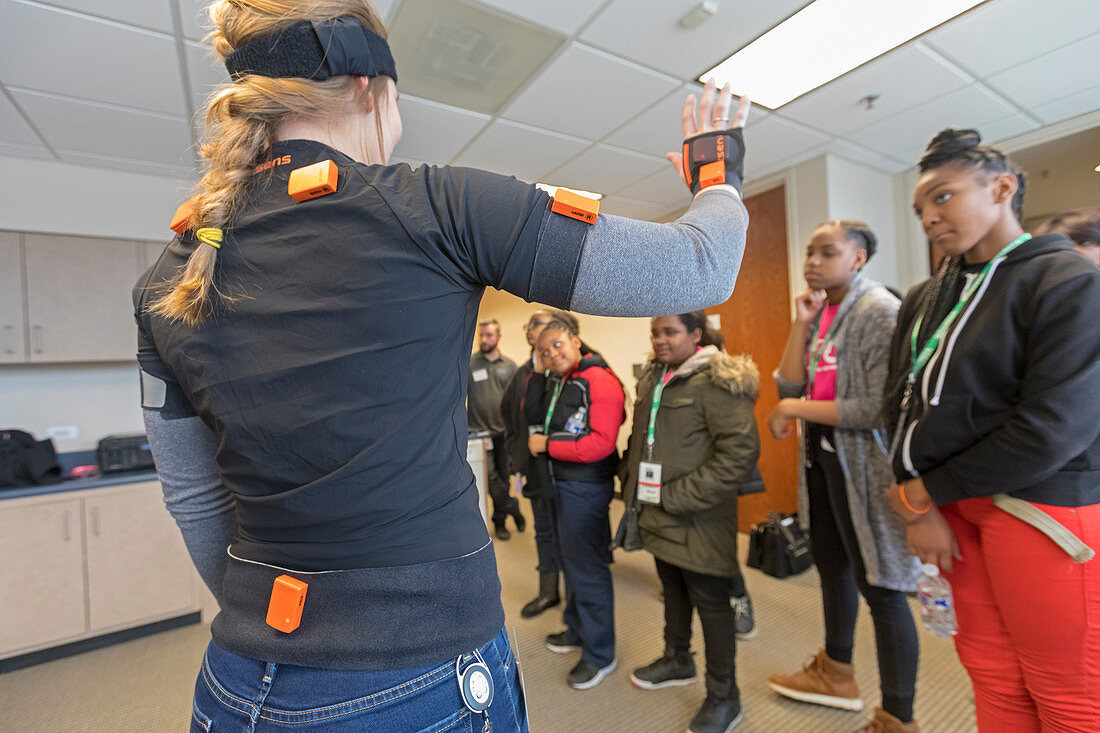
[[1097, 169], [824, 40], [553, 189]]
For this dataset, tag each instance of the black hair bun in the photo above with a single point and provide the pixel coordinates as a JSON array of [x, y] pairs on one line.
[[949, 144]]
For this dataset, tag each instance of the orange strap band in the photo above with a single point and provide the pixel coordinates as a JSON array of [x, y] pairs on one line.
[[910, 507]]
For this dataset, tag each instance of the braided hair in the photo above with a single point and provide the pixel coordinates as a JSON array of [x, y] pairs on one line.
[[964, 147]]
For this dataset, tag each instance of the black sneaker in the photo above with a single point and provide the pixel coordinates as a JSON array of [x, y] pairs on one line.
[[503, 533], [671, 670], [743, 621], [717, 715], [586, 675], [563, 642]]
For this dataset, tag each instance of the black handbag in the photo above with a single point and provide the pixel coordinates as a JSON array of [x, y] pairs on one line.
[[540, 478], [25, 461], [779, 547]]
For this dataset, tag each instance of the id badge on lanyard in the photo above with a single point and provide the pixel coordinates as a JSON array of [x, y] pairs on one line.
[[649, 472]]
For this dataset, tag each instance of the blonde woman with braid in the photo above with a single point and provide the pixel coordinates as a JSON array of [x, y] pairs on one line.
[[304, 346]]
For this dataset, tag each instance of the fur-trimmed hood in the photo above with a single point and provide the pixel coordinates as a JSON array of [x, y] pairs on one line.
[[737, 373]]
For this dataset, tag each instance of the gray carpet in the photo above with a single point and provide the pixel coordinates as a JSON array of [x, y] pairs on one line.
[[145, 685]]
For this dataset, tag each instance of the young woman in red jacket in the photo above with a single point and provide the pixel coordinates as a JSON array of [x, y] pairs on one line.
[[577, 404]]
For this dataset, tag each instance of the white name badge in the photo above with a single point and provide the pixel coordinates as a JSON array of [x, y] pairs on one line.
[[649, 482], [480, 375]]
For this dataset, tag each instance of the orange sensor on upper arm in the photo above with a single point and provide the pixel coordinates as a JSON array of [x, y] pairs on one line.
[[312, 181], [575, 206]]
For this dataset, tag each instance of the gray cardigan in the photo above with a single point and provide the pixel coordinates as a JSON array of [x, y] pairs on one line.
[[864, 326]]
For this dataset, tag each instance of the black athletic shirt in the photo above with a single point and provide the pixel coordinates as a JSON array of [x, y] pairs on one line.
[[334, 382]]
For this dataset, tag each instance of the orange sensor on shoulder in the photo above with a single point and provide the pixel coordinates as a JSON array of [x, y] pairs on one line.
[[288, 597], [312, 181], [575, 206], [181, 220]]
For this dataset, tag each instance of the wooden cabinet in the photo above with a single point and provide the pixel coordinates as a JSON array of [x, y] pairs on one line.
[[138, 566], [42, 574], [79, 305], [12, 306], [85, 563]]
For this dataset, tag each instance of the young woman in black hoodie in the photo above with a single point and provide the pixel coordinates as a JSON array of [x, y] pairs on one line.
[[995, 372]]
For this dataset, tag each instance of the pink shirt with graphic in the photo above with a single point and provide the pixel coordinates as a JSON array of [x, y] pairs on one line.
[[824, 383]]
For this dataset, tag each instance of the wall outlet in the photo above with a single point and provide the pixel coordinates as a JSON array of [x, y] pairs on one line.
[[63, 432]]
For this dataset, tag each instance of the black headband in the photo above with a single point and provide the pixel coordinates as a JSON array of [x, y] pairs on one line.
[[315, 50]]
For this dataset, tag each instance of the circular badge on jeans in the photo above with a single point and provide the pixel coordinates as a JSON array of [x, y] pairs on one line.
[[476, 684]]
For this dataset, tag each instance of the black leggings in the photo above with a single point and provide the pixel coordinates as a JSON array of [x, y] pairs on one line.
[[844, 578]]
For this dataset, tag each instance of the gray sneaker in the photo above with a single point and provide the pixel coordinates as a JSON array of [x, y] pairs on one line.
[[743, 621]]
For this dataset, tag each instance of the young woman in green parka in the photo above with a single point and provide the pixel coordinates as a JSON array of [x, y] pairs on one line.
[[693, 443]]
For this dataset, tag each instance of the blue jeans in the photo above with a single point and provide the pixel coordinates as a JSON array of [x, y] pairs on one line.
[[582, 537], [235, 693]]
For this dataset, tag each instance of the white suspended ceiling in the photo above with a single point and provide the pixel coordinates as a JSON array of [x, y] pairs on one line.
[[574, 92]]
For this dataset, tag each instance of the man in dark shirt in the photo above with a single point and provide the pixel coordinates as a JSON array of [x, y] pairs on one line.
[[490, 373]]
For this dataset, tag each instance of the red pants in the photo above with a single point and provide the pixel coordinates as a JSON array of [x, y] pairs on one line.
[[1029, 619]]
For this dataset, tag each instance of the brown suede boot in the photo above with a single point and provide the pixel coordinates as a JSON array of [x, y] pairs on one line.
[[821, 681], [884, 722]]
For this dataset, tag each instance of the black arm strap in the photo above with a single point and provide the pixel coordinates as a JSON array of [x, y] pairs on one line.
[[715, 158]]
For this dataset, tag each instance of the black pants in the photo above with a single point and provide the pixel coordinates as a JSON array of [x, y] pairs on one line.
[[710, 595], [496, 476], [544, 536], [844, 579]]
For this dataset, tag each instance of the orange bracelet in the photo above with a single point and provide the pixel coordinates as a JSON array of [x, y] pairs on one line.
[[910, 507]]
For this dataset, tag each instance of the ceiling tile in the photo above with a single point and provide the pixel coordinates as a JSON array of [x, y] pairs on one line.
[[665, 186], [179, 172], [656, 130], [14, 150], [1052, 76], [991, 132], [1071, 106], [108, 131], [423, 122], [604, 169], [564, 16], [205, 71], [58, 52], [13, 126], [866, 156], [972, 106], [902, 79], [195, 18], [634, 209], [650, 34], [518, 150], [1004, 33], [588, 93], [153, 14], [776, 139]]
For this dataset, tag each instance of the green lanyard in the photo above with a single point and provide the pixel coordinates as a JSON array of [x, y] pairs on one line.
[[657, 392], [918, 361], [553, 404]]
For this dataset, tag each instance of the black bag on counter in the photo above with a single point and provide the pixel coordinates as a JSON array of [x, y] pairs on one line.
[[25, 461], [779, 547]]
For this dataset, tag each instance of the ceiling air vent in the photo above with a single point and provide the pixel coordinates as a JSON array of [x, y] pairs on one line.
[[465, 55]]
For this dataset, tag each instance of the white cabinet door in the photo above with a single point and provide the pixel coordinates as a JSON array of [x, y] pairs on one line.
[[79, 298], [41, 574], [138, 566], [13, 327]]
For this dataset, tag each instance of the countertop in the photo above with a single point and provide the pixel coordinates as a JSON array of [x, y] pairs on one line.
[[110, 479]]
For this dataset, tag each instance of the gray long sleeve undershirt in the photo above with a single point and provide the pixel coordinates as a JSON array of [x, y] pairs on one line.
[[204, 510], [640, 268]]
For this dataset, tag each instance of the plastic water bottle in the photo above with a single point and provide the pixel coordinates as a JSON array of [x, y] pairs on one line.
[[575, 423], [937, 605]]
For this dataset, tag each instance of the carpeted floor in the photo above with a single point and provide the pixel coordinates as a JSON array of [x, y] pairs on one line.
[[145, 685]]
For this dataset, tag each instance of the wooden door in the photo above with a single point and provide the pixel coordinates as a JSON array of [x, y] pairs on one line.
[[138, 566], [755, 321], [42, 574], [12, 327]]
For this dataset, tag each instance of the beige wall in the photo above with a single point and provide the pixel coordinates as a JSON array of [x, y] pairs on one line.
[[622, 341]]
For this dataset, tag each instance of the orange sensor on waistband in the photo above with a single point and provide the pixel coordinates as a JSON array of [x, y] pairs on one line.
[[312, 181], [288, 597], [575, 206], [181, 220]]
